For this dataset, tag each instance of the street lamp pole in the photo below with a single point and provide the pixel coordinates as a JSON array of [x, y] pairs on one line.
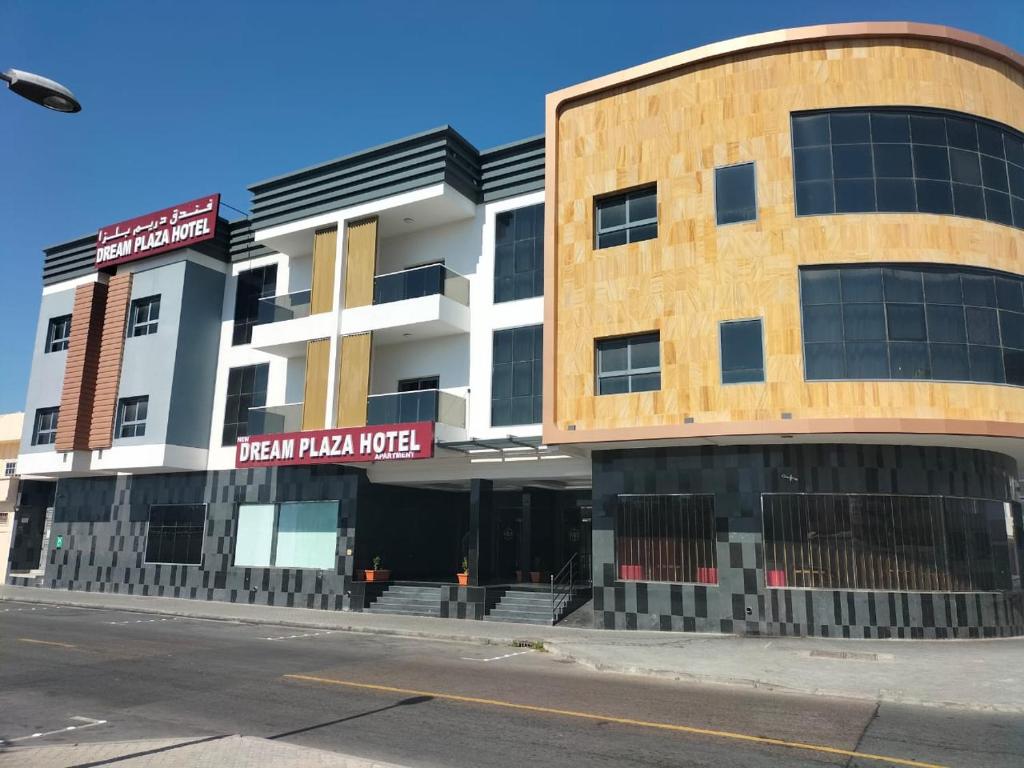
[[42, 90]]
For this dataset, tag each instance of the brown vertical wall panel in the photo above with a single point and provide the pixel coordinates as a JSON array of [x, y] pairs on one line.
[[108, 372], [325, 246], [354, 379], [360, 262], [314, 404], [76, 399]]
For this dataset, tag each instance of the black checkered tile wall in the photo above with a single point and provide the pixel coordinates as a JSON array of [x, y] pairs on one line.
[[741, 603]]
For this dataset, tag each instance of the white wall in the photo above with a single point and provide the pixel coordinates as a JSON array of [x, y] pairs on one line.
[[486, 317], [456, 244], [446, 357]]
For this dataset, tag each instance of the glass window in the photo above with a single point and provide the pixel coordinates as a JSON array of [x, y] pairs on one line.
[[58, 333], [907, 160], [897, 543], [301, 534], [144, 316], [519, 254], [629, 364], [742, 351], [516, 376], [912, 322], [626, 218], [175, 534], [735, 194], [247, 388], [666, 538], [131, 416], [44, 429], [10, 468], [253, 285]]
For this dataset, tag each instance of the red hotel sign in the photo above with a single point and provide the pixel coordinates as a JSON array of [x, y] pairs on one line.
[[157, 232], [386, 442]]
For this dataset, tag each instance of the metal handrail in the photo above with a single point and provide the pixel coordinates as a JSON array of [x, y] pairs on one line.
[[566, 588]]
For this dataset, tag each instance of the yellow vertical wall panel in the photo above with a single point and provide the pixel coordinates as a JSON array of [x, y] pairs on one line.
[[360, 262], [314, 404], [325, 248], [354, 379]]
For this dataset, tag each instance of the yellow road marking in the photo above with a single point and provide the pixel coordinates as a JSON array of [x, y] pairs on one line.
[[45, 642], [622, 721]]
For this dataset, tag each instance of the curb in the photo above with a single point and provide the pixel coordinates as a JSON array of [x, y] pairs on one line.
[[883, 696]]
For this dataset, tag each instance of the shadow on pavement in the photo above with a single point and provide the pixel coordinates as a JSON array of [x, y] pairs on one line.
[[402, 703]]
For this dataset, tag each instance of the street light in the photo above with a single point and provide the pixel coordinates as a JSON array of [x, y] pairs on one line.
[[41, 90]]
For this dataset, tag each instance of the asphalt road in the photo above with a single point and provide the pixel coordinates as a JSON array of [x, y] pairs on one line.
[[429, 703]]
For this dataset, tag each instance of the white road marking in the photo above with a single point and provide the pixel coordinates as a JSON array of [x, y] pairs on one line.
[[297, 637], [7, 610], [89, 722], [144, 621], [499, 658]]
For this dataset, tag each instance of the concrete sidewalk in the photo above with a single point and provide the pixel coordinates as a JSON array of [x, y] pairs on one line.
[[198, 752], [966, 674]]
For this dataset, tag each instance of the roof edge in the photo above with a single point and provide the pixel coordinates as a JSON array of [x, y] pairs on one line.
[[791, 36]]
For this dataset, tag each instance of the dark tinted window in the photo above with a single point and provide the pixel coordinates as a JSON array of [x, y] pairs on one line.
[[926, 161], [58, 333], [626, 218], [629, 364], [742, 352], [175, 534], [247, 388], [912, 322], [735, 195], [144, 316], [516, 376], [253, 285], [519, 254], [44, 429]]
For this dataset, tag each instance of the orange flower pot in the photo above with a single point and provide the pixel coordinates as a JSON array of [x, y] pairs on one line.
[[383, 574], [463, 579]]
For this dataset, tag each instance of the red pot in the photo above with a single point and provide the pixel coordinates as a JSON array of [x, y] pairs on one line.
[[775, 578], [707, 575], [382, 574]]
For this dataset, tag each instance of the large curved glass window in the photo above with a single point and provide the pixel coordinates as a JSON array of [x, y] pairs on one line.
[[899, 160], [912, 322]]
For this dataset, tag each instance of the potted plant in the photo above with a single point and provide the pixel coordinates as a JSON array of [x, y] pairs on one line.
[[535, 574], [464, 574], [378, 573]]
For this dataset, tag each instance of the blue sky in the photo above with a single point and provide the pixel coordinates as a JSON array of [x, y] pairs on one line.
[[186, 98]]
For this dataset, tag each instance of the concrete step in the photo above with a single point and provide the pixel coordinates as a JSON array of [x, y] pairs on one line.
[[395, 603], [492, 616], [526, 599], [405, 611]]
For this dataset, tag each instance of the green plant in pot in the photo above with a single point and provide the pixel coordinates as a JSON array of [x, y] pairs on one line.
[[377, 573], [464, 574]]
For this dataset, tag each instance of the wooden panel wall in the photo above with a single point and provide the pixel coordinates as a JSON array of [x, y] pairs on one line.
[[79, 389], [360, 262], [314, 403], [108, 373], [325, 248], [354, 379], [674, 130]]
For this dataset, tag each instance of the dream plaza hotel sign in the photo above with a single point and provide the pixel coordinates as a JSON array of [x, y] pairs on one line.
[[385, 442], [177, 227]]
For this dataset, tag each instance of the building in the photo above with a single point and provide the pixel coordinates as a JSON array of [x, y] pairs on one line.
[[739, 343], [10, 440]]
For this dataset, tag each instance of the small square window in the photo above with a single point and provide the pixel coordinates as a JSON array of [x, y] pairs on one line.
[[58, 333], [742, 351], [44, 430], [629, 364], [131, 416], [10, 468], [735, 194], [626, 218], [144, 316]]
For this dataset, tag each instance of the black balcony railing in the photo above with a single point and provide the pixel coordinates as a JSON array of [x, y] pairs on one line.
[[420, 281], [401, 407]]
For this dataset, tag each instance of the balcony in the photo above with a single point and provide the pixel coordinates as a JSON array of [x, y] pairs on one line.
[[275, 419], [412, 305], [421, 281], [284, 324], [443, 408], [287, 306]]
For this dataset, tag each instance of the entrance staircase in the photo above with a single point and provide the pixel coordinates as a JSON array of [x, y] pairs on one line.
[[522, 606], [408, 600]]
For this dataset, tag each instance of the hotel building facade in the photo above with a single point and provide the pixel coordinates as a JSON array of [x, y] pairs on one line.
[[736, 346]]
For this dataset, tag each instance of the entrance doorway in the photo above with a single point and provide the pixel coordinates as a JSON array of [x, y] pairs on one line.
[[507, 543], [30, 528]]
